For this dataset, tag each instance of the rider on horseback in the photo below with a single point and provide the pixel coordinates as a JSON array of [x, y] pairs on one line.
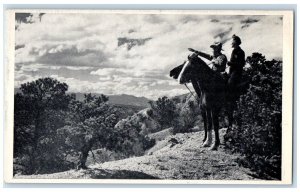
[[218, 59], [236, 63]]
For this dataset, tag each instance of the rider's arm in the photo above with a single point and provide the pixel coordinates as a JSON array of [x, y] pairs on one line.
[[205, 55], [199, 53]]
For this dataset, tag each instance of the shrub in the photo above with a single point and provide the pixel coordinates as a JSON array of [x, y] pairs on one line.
[[257, 130], [129, 138], [39, 110], [189, 116], [90, 122], [165, 111]]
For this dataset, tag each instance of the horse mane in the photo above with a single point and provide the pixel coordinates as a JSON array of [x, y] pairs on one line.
[[202, 67], [206, 79], [176, 71]]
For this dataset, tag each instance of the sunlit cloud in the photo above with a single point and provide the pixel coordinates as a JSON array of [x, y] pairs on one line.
[[132, 54]]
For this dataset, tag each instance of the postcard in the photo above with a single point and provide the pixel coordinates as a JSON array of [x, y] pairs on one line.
[[154, 97]]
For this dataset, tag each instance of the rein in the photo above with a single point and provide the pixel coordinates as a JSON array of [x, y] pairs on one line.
[[190, 91], [191, 94]]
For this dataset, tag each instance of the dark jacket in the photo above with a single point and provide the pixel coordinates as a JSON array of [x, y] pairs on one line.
[[237, 61]]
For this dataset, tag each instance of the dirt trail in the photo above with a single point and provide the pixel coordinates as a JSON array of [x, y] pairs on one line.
[[177, 157], [182, 157]]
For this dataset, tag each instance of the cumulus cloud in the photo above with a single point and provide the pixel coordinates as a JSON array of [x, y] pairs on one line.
[[130, 54]]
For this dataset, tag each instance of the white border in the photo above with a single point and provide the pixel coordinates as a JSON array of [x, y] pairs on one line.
[[286, 107]]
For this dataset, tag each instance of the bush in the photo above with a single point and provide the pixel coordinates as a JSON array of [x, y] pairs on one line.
[[39, 110], [90, 122], [189, 116], [182, 113], [165, 111], [129, 138], [257, 130]]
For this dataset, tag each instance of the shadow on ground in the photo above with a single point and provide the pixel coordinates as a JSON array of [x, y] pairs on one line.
[[117, 174]]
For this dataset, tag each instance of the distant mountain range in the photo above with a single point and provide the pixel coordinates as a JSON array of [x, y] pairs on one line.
[[122, 99]]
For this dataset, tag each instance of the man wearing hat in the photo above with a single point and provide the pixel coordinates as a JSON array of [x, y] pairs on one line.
[[218, 59]]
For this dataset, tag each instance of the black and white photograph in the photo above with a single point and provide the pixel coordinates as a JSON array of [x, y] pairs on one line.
[[150, 96]]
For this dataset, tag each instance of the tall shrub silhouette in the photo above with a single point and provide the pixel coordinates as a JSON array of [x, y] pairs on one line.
[[165, 111], [90, 122], [39, 111], [257, 130]]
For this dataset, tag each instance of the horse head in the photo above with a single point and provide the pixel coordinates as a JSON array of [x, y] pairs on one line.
[[189, 69]]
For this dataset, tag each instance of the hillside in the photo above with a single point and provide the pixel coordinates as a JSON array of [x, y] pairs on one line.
[[119, 100], [181, 97], [129, 100], [123, 99], [177, 156]]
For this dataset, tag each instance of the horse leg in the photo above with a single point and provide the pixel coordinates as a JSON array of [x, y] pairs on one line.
[[208, 140], [205, 124], [215, 120]]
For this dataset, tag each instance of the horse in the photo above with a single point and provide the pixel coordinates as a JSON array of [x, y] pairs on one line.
[[210, 88]]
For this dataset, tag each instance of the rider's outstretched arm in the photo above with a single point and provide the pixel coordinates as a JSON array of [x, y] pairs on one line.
[[205, 55], [201, 54]]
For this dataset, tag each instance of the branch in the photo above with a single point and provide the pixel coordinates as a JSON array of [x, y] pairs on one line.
[[95, 161]]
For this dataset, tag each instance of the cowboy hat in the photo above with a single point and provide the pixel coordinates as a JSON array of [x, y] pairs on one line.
[[217, 45]]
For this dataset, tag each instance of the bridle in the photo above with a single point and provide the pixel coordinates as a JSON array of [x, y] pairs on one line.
[[190, 91], [188, 99], [191, 94]]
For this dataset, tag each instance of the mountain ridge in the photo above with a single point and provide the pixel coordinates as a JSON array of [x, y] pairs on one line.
[[120, 99]]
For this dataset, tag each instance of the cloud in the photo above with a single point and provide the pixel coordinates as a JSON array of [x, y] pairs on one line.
[[23, 17], [131, 42], [223, 35], [27, 18], [19, 46], [247, 22], [214, 21], [71, 57], [131, 54]]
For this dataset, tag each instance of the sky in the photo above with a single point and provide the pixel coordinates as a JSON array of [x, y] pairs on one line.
[[130, 54]]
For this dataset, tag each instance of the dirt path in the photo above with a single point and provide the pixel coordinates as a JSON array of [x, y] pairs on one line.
[[176, 157], [183, 158]]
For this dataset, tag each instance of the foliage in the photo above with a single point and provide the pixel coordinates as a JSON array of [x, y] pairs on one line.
[[53, 131], [257, 132], [181, 112], [90, 121], [165, 111], [38, 112], [189, 116], [129, 137], [92, 124]]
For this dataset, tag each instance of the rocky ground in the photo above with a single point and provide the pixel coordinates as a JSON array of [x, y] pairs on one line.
[[179, 156]]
